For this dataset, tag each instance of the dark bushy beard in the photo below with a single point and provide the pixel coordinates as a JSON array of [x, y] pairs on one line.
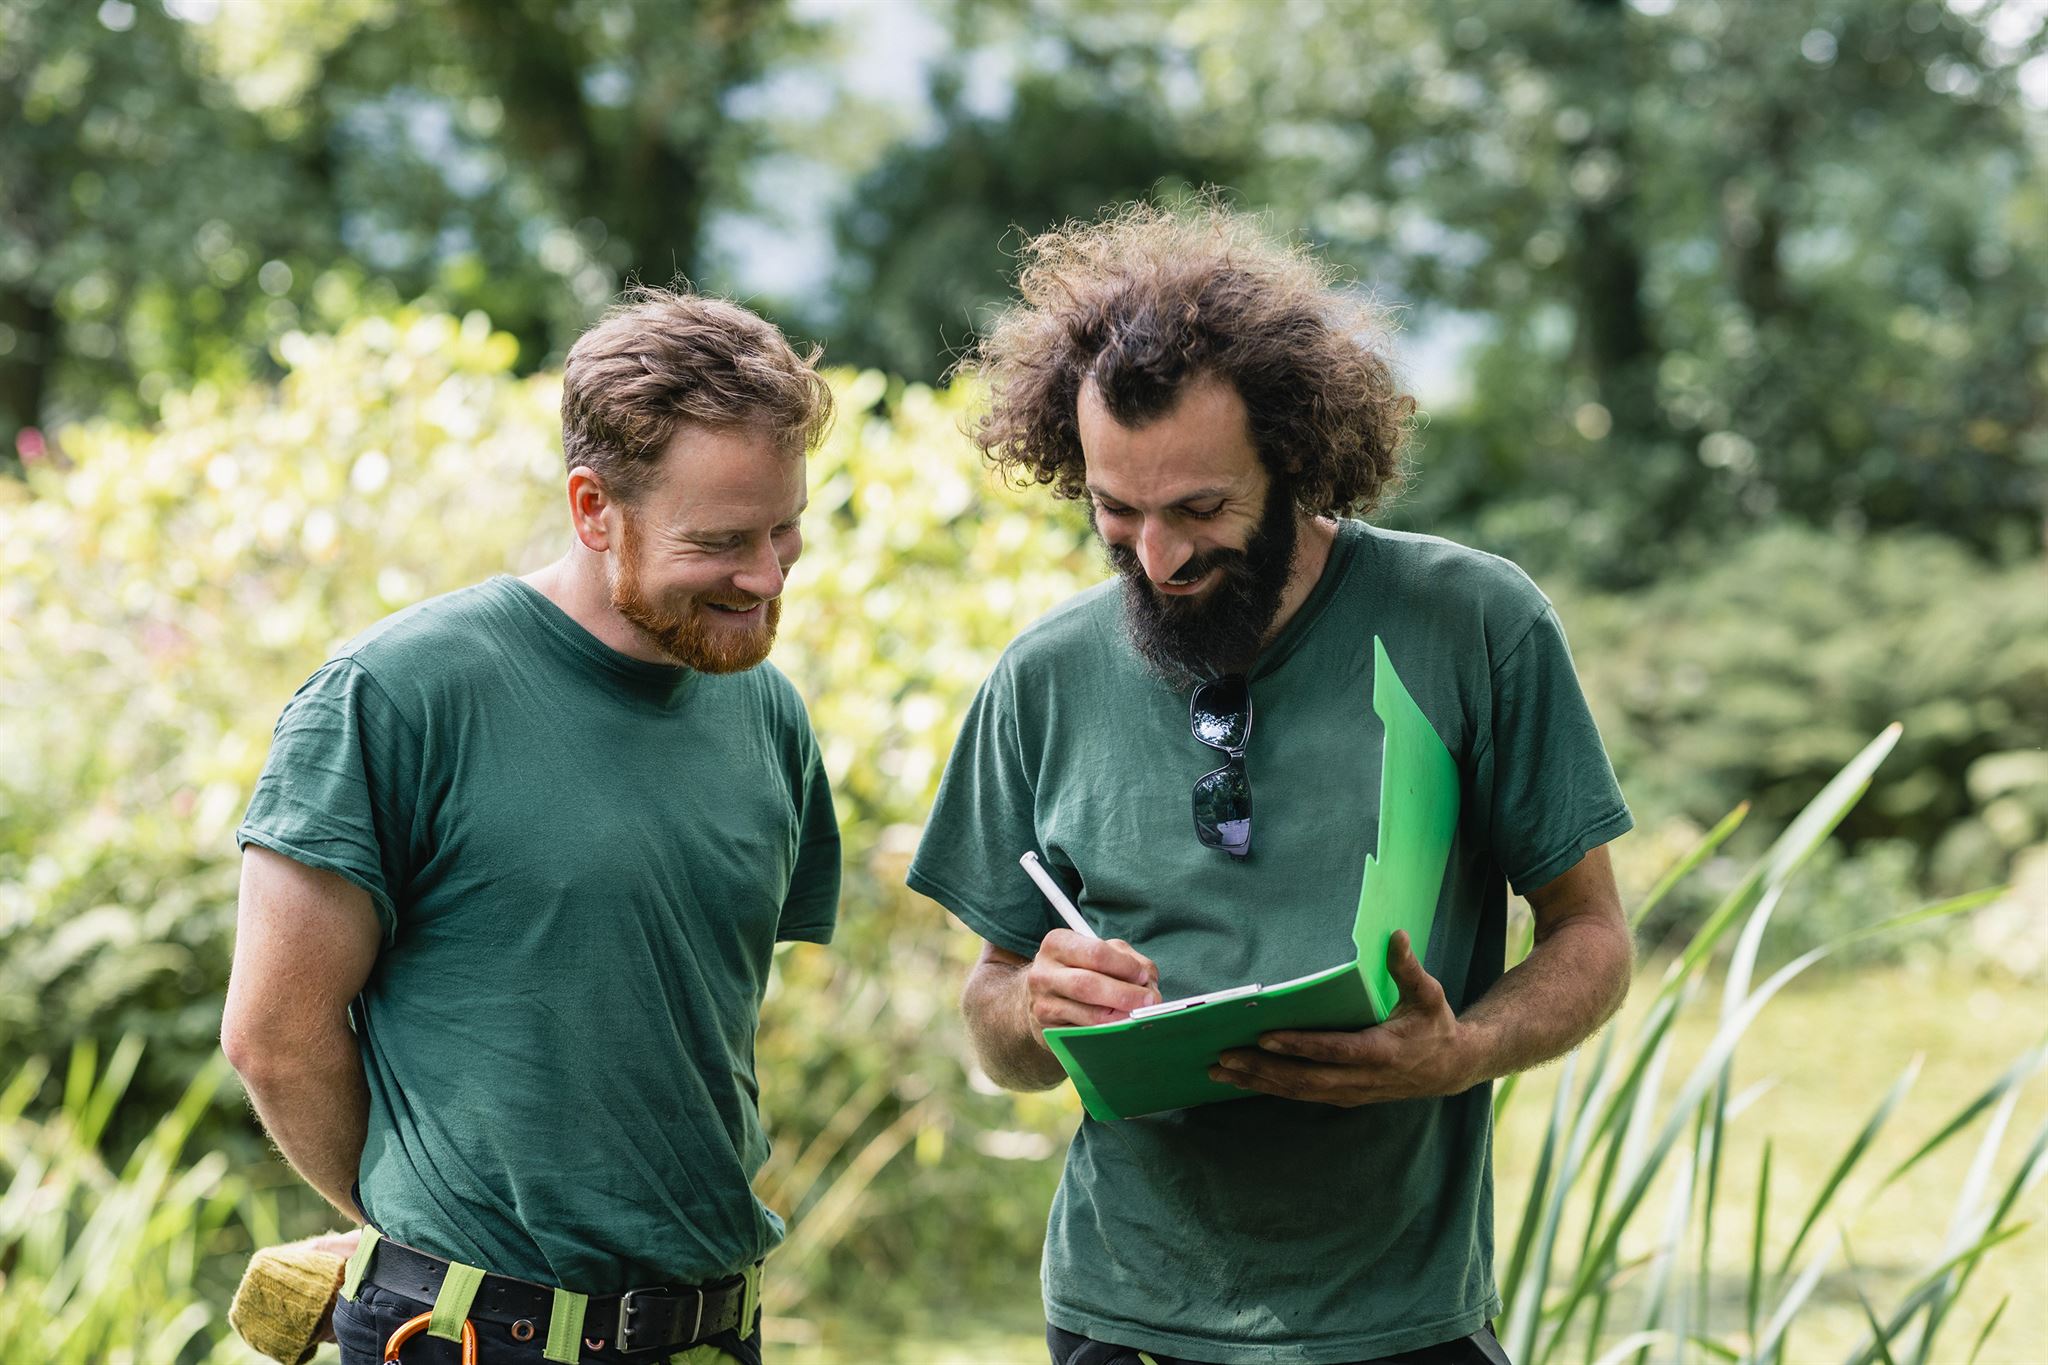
[[1187, 640], [681, 634]]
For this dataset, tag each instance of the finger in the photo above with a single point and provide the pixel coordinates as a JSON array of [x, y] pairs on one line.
[[1318, 1046], [1107, 957], [1419, 990], [1151, 968], [1267, 1075], [1090, 989]]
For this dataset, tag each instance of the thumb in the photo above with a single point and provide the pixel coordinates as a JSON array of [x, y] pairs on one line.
[[1418, 988]]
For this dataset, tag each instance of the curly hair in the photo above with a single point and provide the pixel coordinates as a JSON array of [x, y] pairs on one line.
[[664, 357], [1147, 300]]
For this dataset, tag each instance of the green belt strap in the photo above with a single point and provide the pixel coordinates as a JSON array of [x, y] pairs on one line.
[[753, 1303], [565, 1327], [451, 1305], [359, 1264]]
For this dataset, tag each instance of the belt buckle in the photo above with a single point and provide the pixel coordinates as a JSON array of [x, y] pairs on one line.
[[623, 1338]]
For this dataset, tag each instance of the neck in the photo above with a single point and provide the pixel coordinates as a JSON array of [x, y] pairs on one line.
[[577, 584], [1313, 538]]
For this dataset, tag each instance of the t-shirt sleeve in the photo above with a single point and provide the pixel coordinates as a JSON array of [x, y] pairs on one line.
[[339, 789], [1546, 785], [810, 909], [982, 821]]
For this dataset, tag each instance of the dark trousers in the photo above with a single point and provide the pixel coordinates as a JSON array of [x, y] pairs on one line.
[[1481, 1348], [366, 1323]]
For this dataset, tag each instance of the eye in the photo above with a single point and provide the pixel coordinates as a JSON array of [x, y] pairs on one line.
[[1103, 507], [1201, 513]]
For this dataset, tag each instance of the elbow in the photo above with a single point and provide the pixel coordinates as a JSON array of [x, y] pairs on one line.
[[1624, 969], [263, 1048], [248, 1048]]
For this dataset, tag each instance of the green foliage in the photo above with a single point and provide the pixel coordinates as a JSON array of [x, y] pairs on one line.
[[926, 241], [1758, 676], [178, 192], [164, 594], [104, 1262]]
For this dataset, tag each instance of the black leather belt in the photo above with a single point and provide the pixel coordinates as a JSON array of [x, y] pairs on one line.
[[664, 1317]]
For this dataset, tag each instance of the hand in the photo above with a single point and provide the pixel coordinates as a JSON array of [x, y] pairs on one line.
[[1421, 1050], [342, 1244], [1080, 980]]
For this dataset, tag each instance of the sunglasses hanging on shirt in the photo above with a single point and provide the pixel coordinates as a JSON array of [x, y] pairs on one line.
[[1220, 715]]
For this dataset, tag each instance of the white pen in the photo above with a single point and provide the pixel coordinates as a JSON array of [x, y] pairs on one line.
[[1058, 897]]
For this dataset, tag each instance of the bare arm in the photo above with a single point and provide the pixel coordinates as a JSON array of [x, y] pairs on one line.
[[1572, 982], [305, 940], [1009, 1001]]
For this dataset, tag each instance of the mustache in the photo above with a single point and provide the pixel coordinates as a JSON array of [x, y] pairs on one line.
[[1125, 561]]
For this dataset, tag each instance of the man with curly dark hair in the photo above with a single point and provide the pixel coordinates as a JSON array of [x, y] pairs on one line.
[[1225, 407]]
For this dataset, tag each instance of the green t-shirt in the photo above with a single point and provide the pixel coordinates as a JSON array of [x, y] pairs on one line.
[[582, 863], [1264, 1229]]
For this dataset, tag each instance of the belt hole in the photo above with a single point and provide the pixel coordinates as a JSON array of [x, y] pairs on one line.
[[597, 1345], [522, 1330]]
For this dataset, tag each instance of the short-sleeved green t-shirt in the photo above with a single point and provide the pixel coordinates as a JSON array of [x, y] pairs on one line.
[[1264, 1229], [582, 863]]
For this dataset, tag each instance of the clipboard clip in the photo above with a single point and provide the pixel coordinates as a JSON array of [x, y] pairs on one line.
[[1190, 1001]]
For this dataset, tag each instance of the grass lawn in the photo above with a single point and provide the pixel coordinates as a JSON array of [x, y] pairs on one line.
[[1830, 1047]]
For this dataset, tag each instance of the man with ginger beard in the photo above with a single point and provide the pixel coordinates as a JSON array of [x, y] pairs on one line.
[[516, 868], [1225, 409]]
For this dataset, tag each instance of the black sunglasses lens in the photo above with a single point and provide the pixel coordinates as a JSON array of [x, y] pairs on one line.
[[1223, 809], [1221, 713]]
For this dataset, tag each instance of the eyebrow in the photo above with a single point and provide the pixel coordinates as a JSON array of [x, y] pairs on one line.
[[708, 533], [1198, 495]]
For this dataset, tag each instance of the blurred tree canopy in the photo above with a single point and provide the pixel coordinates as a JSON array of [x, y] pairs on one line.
[[1719, 263], [183, 183]]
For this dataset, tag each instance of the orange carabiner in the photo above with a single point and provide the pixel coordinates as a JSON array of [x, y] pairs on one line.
[[419, 1325]]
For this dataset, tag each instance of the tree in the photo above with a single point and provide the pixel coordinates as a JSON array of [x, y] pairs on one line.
[[176, 193]]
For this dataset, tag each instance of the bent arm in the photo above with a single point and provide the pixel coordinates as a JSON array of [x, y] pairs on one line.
[[1009, 1001], [1572, 982], [305, 940], [996, 1003]]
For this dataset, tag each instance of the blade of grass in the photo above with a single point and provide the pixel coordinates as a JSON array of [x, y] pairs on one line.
[[1753, 1297], [1929, 1286], [1789, 1303], [1989, 1324], [2027, 1063], [1704, 1074], [1539, 1186], [1685, 866], [1856, 1151]]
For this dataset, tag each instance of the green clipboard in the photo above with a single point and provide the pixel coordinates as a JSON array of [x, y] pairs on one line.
[[1160, 1059]]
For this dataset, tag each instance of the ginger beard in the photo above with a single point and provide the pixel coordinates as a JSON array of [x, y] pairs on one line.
[[691, 634]]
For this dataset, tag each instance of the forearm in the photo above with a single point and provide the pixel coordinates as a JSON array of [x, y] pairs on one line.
[[1571, 983], [315, 1104], [996, 1006]]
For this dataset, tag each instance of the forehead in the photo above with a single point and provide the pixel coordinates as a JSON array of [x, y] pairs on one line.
[[1202, 442], [727, 478]]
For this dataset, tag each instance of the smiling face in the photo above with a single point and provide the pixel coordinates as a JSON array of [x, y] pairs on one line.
[[1201, 533], [698, 562]]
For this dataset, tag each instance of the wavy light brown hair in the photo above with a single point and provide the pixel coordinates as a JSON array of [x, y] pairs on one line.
[[1149, 299], [664, 357]]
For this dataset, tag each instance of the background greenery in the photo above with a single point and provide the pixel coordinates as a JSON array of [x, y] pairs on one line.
[[1726, 321]]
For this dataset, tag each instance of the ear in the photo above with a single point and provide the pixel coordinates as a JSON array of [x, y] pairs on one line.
[[591, 510]]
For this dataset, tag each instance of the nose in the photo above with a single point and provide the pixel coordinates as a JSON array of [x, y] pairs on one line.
[[765, 572], [1161, 549]]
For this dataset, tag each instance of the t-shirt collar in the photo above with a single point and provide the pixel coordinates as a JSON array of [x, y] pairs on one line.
[[663, 684]]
